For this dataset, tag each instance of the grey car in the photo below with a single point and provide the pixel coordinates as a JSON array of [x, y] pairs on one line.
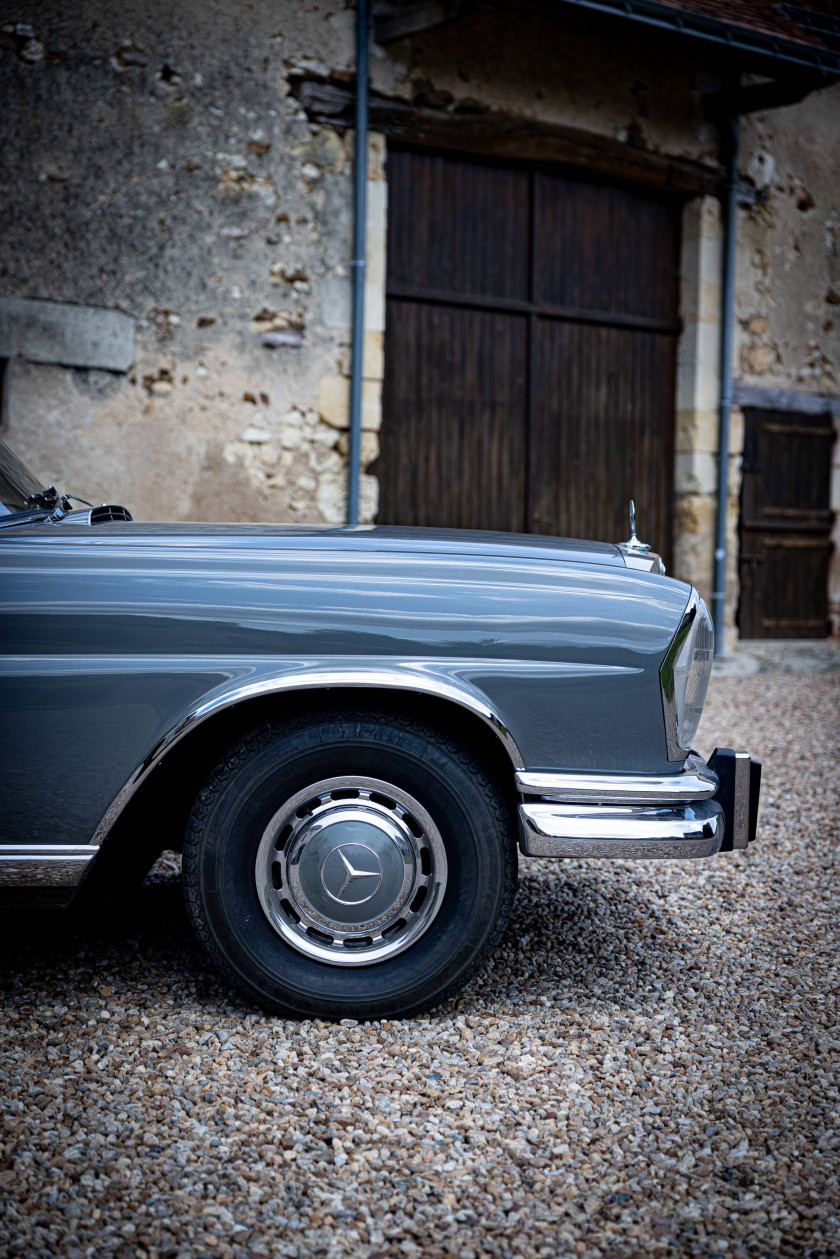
[[349, 733]]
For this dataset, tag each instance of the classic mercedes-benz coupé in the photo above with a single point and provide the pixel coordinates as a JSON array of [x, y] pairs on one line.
[[349, 733]]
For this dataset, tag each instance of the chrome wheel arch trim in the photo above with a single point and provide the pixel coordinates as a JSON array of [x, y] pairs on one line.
[[404, 679]]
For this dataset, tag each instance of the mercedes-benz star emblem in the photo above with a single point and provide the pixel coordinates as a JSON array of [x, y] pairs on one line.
[[346, 874]]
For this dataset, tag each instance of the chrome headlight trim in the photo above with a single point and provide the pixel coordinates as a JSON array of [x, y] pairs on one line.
[[667, 676]]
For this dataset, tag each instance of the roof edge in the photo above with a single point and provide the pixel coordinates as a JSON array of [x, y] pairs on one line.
[[774, 51]]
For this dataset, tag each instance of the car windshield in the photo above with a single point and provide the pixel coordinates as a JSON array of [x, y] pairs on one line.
[[19, 490]]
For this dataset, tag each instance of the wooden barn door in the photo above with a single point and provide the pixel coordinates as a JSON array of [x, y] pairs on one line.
[[785, 525], [530, 350]]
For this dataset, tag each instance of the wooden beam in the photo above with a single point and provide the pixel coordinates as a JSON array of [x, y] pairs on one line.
[[515, 306], [506, 136], [397, 21], [761, 96]]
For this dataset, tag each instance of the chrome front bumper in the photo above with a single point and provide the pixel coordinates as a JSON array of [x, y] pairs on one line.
[[704, 809]]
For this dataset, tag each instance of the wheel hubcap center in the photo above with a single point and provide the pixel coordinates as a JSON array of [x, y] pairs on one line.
[[347, 865], [351, 870], [352, 884]]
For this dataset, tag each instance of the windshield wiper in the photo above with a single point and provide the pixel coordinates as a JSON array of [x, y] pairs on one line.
[[43, 499], [44, 505]]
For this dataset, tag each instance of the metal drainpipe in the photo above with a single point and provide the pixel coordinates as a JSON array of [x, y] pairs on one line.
[[359, 261], [729, 144]]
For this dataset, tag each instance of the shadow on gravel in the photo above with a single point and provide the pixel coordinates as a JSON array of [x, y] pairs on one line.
[[146, 931], [581, 934], [571, 933]]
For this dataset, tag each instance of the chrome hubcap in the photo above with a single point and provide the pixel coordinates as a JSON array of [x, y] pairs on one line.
[[351, 870]]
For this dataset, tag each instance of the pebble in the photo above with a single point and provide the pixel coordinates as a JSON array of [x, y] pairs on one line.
[[649, 1065]]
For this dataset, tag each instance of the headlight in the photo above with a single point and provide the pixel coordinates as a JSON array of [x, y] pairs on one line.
[[685, 676]]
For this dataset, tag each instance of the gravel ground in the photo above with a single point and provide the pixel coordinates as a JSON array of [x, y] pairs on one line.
[[648, 1066]]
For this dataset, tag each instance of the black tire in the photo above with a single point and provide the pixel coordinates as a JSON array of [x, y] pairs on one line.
[[231, 825]]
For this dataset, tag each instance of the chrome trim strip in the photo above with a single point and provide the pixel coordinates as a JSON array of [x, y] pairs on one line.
[[378, 679], [666, 678], [556, 830], [44, 865], [735, 795], [648, 563], [695, 782], [741, 802]]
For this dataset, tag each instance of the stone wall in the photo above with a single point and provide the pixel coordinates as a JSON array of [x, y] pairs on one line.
[[156, 161], [788, 292]]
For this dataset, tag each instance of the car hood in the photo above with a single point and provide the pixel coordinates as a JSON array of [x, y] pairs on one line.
[[358, 538]]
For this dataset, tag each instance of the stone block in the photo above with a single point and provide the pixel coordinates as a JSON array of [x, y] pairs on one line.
[[374, 306], [337, 302], [377, 152], [376, 257], [695, 473], [331, 498], [695, 517], [736, 431], [696, 431], [371, 405], [698, 368], [686, 383], [65, 334], [368, 499], [337, 299], [334, 402], [701, 256], [374, 356], [694, 540], [700, 301], [370, 446]]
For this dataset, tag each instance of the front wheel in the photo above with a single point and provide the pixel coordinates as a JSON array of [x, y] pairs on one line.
[[350, 864]]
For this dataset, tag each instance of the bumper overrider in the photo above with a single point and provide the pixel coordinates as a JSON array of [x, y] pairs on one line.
[[703, 809]]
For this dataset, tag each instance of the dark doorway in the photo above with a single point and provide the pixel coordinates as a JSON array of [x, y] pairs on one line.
[[785, 525], [530, 350]]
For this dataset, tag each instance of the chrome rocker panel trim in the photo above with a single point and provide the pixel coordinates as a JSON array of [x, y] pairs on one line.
[[579, 830], [694, 782], [44, 865]]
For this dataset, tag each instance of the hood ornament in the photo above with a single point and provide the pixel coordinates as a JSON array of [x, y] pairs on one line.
[[639, 554], [634, 544]]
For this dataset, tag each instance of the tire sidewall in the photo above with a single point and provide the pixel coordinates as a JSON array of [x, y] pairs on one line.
[[221, 852]]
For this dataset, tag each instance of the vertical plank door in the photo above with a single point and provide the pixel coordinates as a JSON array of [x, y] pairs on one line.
[[785, 525], [530, 350]]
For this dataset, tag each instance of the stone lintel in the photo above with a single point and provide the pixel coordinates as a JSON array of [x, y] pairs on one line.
[[66, 335], [764, 399]]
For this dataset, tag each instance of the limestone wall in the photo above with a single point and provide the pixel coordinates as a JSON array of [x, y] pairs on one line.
[[156, 161]]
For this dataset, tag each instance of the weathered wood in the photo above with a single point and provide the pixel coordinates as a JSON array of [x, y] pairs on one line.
[[574, 314], [531, 350], [760, 96], [785, 524], [506, 136], [397, 21]]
